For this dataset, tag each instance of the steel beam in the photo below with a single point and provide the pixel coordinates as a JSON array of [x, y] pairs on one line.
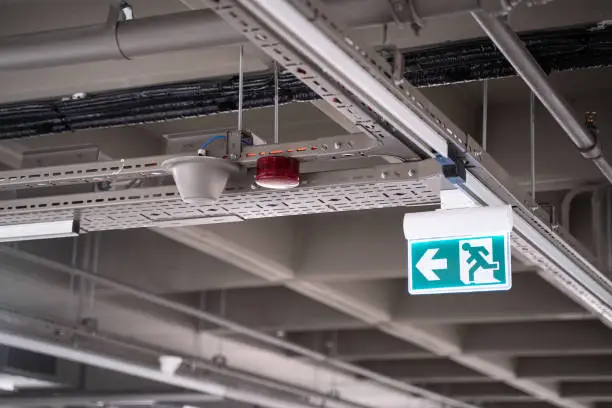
[[258, 308], [480, 392], [598, 391], [583, 368], [542, 338], [531, 299], [517, 404], [429, 370], [358, 345]]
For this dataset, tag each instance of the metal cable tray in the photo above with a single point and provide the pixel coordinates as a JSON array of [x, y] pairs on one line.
[[393, 185]]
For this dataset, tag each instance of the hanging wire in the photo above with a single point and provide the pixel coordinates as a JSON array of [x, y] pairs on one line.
[[532, 108], [222, 312], [240, 87], [95, 262], [485, 113], [83, 283], [73, 263], [276, 102]]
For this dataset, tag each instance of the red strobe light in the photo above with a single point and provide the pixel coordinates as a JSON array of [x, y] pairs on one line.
[[278, 172]]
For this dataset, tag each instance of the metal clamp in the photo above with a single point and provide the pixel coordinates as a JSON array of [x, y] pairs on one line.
[[593, 152], [404, 12], [453, 166]]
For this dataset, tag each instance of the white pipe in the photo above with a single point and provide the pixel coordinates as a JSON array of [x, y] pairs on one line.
[[527, 67], [108, 398]]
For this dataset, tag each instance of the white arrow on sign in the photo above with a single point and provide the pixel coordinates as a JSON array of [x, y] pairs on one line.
[[427, 265]]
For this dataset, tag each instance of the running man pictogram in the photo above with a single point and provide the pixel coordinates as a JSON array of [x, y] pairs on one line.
[[477, 256], [476, 261]]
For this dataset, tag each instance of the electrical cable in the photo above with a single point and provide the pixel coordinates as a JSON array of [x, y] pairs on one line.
[[212, 139]]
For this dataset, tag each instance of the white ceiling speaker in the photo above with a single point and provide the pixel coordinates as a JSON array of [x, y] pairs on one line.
[[200, 179]]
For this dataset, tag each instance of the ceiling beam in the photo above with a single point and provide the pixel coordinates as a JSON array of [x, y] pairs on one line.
[[171, 267], [479, 392], [277, 308], [541, 338], [361, 344], [241, 245], [517, 404], [425, 370], [565, 368], [600, 391], [531, 299]]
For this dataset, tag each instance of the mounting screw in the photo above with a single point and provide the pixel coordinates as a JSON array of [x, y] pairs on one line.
[[337, 145], [233, 156], [253, 186], [535, 208], [555, 227], [411, 172], [384, 175]]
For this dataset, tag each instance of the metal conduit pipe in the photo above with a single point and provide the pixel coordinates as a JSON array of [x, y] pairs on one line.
[[181, 31], [148, 373], [109, 398], [527, 67]]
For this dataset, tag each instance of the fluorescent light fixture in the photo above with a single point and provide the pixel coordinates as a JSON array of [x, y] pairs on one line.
[[39, 230]]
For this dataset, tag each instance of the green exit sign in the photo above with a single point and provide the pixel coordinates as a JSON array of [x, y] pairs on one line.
[[464, 250]]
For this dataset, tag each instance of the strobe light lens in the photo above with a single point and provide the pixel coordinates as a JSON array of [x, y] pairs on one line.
[[278, 172]]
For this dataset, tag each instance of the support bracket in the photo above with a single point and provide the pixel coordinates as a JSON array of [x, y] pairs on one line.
[[404, 12], [453, 166]]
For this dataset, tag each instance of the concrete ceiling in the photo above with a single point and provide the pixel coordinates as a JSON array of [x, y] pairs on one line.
[[335, 283]]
